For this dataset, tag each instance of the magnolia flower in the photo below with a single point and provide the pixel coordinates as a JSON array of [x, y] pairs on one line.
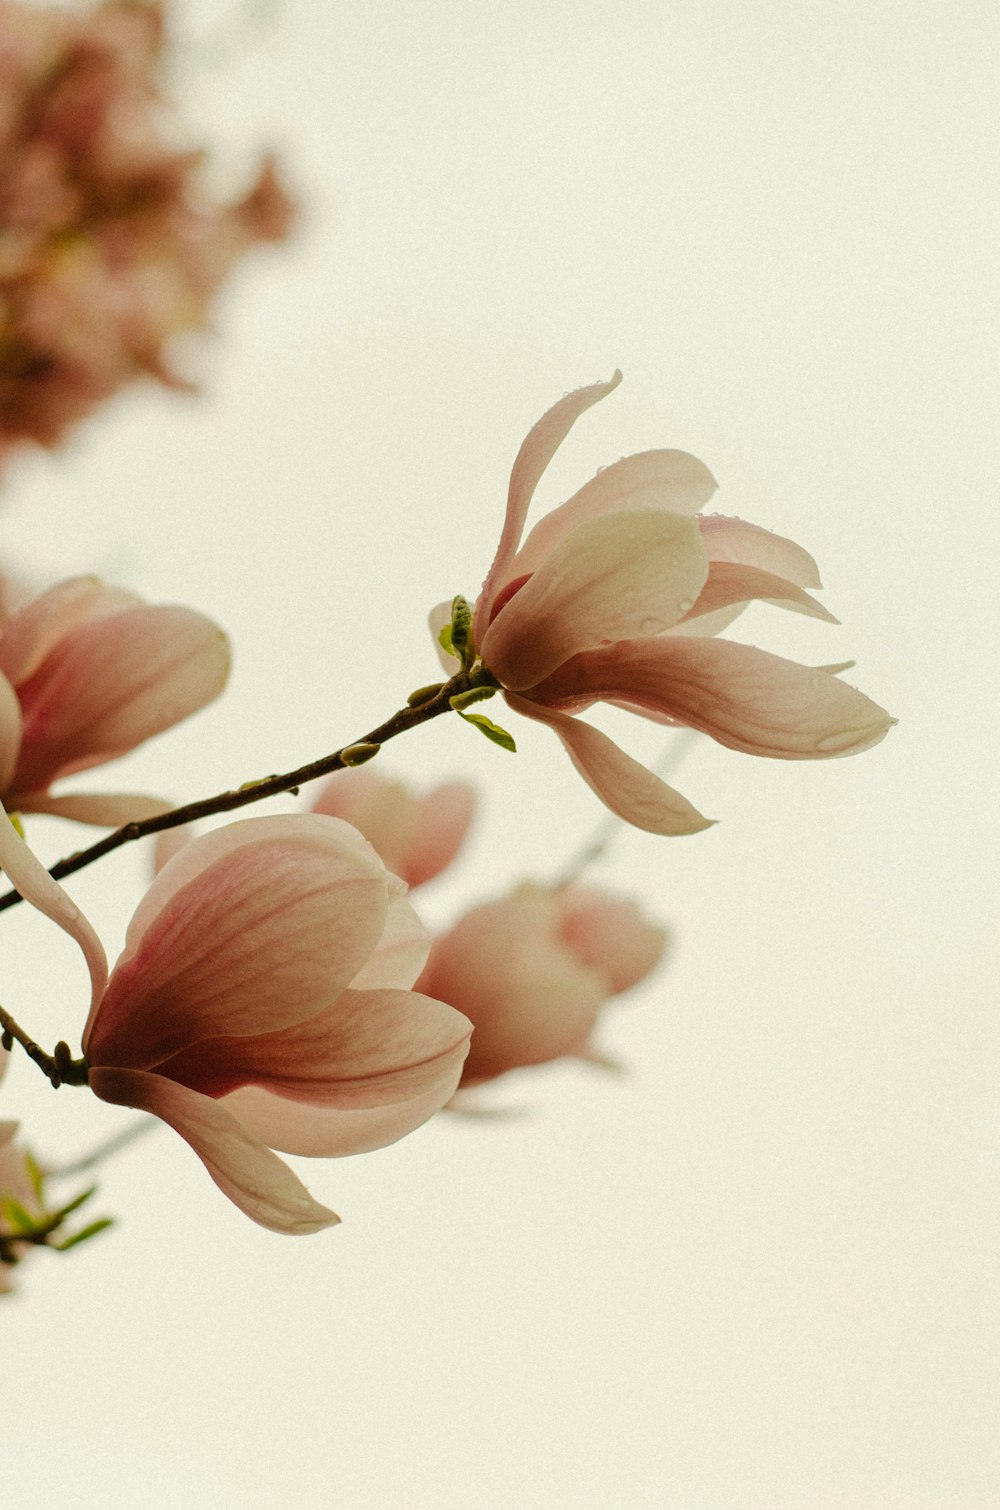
[[533, 970], [262, 1002], [616, 596], [109, 244], [416, 837], [87, 672]]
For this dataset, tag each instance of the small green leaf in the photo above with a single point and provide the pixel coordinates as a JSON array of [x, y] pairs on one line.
[[492, 731], [36, 1175], [473, 695], [83, 1235], [55, 1217], [444, 640]]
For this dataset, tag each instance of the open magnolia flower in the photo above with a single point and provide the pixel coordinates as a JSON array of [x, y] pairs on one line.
[[87, 672], [416, 837], [615, 597], [534, 969], [262, 1001]]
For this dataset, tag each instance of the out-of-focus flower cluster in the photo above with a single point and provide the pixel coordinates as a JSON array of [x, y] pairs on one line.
[[109, 244]]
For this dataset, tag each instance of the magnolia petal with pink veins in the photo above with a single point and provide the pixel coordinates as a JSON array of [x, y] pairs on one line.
[[745, 698], [113, 684], [618, 575], [333, 1131], [252, 928], [253, 1177], [622, 784], [537, 449], [34, 631], [671, 480]]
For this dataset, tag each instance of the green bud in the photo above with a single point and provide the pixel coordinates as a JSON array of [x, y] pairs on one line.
[[473, 695], [359, 753]]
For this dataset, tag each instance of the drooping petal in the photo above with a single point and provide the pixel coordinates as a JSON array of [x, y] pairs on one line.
[[625, 786], [253, 1177], [615, 576], [28, 875], [113, 684], [29, 635], [249, 929], [743, 697], [537, 449], [103, 809], [735, 540], [730, 583], [329, 1131], [671, 480]]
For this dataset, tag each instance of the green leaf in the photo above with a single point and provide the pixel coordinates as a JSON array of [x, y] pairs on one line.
[[83, 1235], [36, 1175], [444, 640], [492, 731], [55, 1217]]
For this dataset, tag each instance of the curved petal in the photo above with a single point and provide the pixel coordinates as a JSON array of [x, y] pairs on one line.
[[537, 449], [671, 480], [329, 1131], [622, 784], [254, 1178], [610, 935], [730, 583], [28, 875], [10, 732], [29, 635], [735, 540], [247, 930], [743, 697], [400, 954], [384, 811], [619, 575], [115, 683], [103, 809]]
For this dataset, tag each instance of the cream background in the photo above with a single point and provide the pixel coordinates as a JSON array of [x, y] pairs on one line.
[[759, 1272]]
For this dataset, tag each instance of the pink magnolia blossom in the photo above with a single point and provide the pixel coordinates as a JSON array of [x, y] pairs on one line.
[[533, 971], [616, 597], [415, 836], [109, 243], [87, 672], [262, 1002]]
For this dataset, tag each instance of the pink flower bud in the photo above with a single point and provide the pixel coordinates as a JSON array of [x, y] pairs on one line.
[[533, 970]]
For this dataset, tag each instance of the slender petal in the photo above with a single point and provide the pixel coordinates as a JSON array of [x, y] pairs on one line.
[[735, 540], [625, 786], [743, 697], [253, 1177], [616, 575], [28, 875], [330, 1131], [103, 809], [671, 480], [730, 583], [537, 449], [248, 930], [113, 684]]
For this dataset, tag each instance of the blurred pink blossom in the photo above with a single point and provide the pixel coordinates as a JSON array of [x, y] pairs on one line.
[[109, 246], [417, 837], [16, 1185], [533, 970], [615, 597], [87, 672], [262, 1002]]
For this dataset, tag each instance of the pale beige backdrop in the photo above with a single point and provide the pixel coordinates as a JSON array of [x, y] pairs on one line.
[[760, 1271]]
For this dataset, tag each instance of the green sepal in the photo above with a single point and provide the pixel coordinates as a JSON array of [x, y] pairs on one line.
[[473, 695], [56, 1217], [36, 1174], [20, 1221], [492, 731], [83, 1235]]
